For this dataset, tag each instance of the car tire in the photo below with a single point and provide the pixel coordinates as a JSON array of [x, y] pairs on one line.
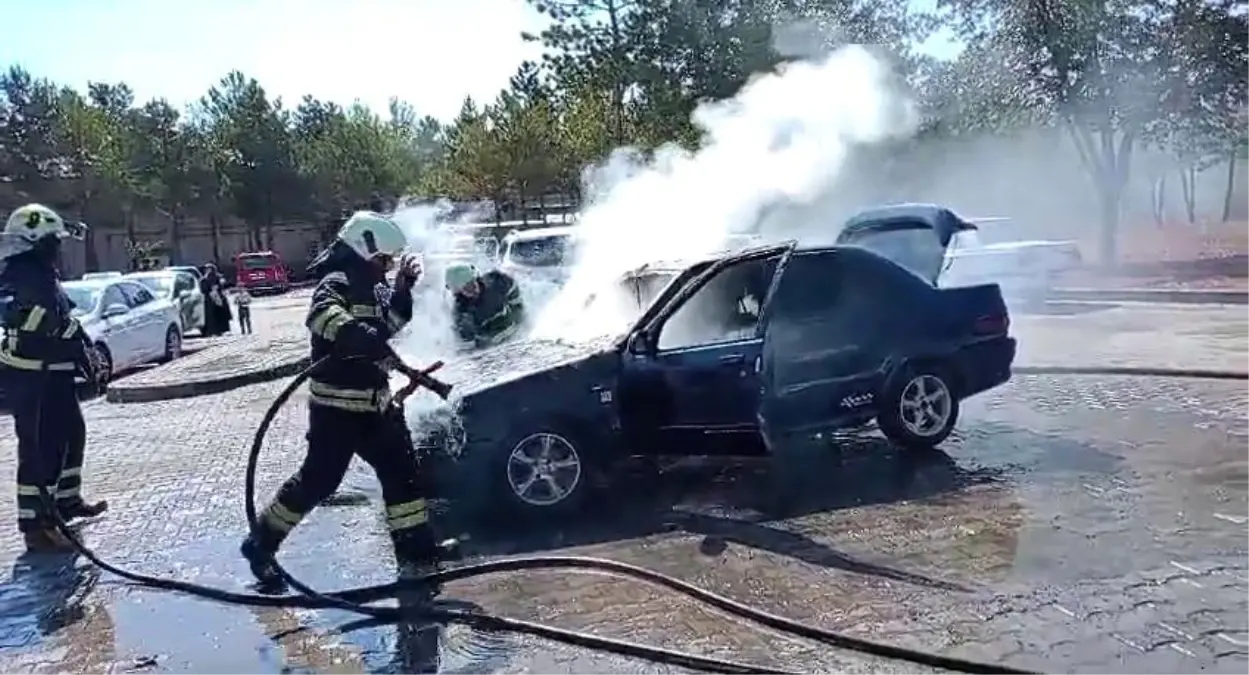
[[552, 491], [920, 407], [173, 344]]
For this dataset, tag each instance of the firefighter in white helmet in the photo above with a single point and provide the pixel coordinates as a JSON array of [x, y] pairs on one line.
[[354, 313], [42, 350]]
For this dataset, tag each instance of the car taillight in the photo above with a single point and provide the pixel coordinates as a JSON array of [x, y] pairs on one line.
[[993, 324]]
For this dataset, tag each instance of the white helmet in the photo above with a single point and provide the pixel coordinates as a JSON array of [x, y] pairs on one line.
[[36, 221], [371, 234]]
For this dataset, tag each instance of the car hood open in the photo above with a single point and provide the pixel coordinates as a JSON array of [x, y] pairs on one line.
[[478, 371]]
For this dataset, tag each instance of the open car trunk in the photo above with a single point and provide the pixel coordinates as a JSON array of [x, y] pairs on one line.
[[917, 237]]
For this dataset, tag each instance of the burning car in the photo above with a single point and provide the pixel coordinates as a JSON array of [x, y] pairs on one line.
[[749, 353]]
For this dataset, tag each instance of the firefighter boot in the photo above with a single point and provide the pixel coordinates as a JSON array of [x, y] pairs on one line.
[[48, 539], [417, 557], [81, 509], [259, 550]]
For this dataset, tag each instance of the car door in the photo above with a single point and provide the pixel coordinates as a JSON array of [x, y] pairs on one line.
[[148, 317], [118, 330], [833, 322], [695, 388]]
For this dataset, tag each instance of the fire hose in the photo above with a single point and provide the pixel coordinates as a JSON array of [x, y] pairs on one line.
[[357, 600]]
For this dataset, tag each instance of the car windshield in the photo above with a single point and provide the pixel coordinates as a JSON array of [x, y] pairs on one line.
[[83, 297], [257, 262], [544, 252], [160, 285]]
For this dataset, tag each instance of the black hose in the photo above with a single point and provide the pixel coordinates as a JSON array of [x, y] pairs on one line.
[[353, 599]]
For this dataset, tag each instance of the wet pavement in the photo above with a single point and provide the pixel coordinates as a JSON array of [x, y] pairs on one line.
[[1084, 524]]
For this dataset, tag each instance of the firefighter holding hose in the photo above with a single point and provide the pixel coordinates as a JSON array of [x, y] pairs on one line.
[[42, 350], [351, 410]]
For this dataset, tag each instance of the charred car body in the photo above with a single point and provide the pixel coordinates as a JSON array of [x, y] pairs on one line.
[[742, 354]]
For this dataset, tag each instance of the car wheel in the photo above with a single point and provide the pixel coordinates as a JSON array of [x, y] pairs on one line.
[[104, 366], [173, 344], [542, 473], [920, 408]]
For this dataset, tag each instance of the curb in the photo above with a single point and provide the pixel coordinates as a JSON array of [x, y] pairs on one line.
[[193, 388], [1132, 371], [1160, 295]]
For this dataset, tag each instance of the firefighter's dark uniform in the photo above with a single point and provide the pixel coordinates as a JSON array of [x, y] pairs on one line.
[[43, 348], [353, 314], [493, 315]]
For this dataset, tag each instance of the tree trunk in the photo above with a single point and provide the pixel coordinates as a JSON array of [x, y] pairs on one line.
[[92, 260], [1160, 200], [1108, 237], [1188, 186], [175, 236], [215, 231], [1231, 186]]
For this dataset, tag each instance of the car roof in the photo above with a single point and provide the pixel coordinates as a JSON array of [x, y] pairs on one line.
[[540, 233]]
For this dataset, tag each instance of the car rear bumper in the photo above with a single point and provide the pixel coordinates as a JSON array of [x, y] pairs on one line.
[[985, 365]]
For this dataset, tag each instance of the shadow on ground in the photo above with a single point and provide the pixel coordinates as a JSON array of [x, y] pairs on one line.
[[1061, 308]]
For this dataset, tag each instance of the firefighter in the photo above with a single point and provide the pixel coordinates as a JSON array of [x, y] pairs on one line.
[[354, 312], [487, 307], [43, 349]]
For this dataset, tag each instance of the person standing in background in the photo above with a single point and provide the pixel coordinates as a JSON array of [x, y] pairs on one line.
[[217, 308], [243, 300]]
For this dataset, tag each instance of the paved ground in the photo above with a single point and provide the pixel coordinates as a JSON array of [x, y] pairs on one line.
[[1076, 524]]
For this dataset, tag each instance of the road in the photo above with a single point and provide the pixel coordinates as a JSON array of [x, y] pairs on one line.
[[1072, 524]]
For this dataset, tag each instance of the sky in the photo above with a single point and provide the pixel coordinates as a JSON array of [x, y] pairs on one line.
[[430, 53]]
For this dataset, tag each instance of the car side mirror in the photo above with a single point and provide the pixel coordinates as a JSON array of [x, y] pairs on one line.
[[639, 344], [116, 309]]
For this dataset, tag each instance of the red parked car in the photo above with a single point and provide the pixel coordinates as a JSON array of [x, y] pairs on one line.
[[261, 271]]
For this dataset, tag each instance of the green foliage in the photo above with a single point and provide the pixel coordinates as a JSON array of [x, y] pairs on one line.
[[1114, 74]]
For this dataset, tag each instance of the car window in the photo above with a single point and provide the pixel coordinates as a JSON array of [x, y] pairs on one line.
[[183, 282], [136, 294], [808, 287], [544, 252], [113, 296], [725, 309]]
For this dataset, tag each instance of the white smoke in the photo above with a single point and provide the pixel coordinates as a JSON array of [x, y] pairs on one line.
[[782, 140]]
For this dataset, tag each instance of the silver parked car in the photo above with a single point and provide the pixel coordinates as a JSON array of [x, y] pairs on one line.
[[179, 287]]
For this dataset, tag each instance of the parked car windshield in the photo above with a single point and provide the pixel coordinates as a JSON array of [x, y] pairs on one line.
[[545, 252], [160, 284], [83, 297]]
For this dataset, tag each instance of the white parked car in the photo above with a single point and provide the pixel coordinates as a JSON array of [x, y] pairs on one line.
[[544, 253], [1025, 269], [128, 325], [179, 287]]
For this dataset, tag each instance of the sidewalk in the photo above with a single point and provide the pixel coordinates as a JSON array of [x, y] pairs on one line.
[[1164, 336]]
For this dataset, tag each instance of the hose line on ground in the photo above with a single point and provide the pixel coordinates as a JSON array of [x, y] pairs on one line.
[[1133, 371], [355, 600]]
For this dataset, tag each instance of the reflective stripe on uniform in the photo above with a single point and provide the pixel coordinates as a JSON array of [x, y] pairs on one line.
[[7, 358], [71, 330], [72, 472], [31, 324], [27, 490], [27, 514], [327, 322], [69, 493], [355, 400], [366, 311], [281, 517], [407, 515]]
